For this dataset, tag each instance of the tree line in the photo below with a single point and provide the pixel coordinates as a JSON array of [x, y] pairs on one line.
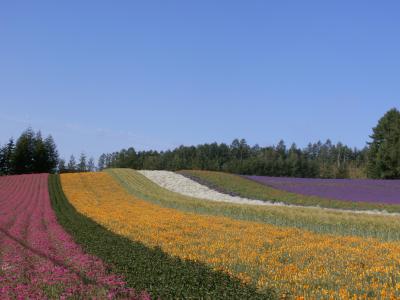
[[29, 154], [324, 160], [380, 158], [82, 165]]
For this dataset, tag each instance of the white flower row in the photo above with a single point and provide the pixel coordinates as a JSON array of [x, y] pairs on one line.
[[180, 184]]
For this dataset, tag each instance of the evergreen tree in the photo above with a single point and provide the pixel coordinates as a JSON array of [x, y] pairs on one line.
[[6, 158], [30, 154], [52, 154], [131, 158], [316, 160], [9, 156], [293, 162], [82, 166], [3, 160], [62, 168], [45, 155], [384, 152], [23, 156], [101, 164], [90, 165], [40, 155], [71, 167]]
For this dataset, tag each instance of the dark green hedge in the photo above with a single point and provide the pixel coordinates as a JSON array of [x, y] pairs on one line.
[[144, 268]]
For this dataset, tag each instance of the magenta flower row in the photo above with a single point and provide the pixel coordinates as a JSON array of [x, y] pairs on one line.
[[38, 259]]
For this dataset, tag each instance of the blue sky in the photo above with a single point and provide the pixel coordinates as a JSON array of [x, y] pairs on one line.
[[103, 75]]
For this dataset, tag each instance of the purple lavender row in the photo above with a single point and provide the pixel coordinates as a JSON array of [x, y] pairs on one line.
[[359, 190]]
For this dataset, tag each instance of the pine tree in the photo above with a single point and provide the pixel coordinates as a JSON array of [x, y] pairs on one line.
[[23, 156], [101, 164], [3, 160], [40, 155], [90, 165], [71, 167], [82, 166], [62, 168], [52, 154], [384, 152], [6, 156], [30, 154]]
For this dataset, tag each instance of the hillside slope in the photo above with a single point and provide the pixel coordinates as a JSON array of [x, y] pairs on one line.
[[288, 260], [240, 186], [38, 259], [313, 219], [113, 224]]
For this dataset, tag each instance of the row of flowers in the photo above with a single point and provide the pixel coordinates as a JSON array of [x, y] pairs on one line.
[[38, 259], [350, 194], [293, 262]]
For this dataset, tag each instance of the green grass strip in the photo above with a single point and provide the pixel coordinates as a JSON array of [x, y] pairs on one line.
[[244, 187], [145, 268], [317, 220]]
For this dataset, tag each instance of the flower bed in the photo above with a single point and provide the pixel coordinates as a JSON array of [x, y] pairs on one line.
[[290, 261], [38, 259]]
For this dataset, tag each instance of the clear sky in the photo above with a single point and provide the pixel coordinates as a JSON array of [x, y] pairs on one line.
[[103, 75]]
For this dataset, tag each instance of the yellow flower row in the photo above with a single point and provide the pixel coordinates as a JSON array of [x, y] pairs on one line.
[[292, 261]]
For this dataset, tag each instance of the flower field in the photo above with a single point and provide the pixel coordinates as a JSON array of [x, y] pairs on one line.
[[184, 185], [106, 235], [362, 190], [277, 260], [146, 268], [38, 259], [385, 228], [180, 184], [323, 196]]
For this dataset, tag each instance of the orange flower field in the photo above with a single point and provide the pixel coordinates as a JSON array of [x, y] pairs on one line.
[[292, 262]]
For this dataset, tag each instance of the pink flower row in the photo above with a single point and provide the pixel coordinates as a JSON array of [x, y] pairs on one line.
[[38, 259]]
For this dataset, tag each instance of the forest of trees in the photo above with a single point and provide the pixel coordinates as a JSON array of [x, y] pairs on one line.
[[83, 165], [325, 160], [29, 154], [33, 154], [379, 159]]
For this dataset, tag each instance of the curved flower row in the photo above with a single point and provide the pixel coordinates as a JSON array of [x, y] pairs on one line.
[[184, 185], [281, 190], [38, 259], [146, 268], [294, 262], [180, 184], [385, 228], [359, 190]]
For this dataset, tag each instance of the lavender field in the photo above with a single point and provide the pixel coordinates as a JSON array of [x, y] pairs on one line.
[[360, 190]]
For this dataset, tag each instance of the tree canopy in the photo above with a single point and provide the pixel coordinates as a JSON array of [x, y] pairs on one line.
[[30, 154], [324, 160], [384, 152]]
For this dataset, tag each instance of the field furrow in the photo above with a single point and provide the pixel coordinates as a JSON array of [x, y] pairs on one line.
[[184, 185], [38, 259], [313, 219], [247, 188], [290, 261], [145, 268]]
